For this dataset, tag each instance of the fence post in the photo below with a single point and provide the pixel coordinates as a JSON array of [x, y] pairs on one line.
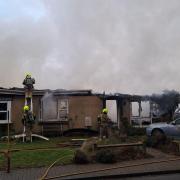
[[8, 161]]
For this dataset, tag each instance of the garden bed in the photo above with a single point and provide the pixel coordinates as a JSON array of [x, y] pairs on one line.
[[93, 151]]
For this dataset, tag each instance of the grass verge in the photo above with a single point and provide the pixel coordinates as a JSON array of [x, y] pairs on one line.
[[37, 158]]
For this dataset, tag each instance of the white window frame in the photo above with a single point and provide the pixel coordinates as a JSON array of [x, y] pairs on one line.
[[8, 112]]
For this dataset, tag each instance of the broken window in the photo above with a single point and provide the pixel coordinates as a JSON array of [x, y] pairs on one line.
[[49, 107], [141, 113], [135, 109], [112, 108], [63, 109], [145, 109]]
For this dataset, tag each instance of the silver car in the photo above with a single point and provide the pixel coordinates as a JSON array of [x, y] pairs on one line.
[[160, 130]]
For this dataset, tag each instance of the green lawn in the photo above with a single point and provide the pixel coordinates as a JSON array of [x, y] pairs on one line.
[[39, 158], [23, 159], [35, 144]]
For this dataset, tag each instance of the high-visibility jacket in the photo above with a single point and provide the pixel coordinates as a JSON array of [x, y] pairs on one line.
[[28, 118], [103, 119], [29, 82]]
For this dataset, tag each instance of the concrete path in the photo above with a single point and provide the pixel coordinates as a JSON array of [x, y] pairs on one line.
[[35, 173]]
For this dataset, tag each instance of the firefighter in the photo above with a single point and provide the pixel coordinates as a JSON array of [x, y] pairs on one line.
[[104, 124], [28, 121], [29, 86], [29, 82], [28, 117]]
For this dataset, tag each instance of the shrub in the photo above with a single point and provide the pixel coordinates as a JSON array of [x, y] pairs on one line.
[[130, 130], [105, 156], [80, 157], [155, 142], [127, 153], [133, 131]]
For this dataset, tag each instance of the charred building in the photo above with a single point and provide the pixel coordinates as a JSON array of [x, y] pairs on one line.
[[56, 111], [60, 110]]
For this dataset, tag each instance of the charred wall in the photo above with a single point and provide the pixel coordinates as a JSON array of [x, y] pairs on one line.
[[81, 107]]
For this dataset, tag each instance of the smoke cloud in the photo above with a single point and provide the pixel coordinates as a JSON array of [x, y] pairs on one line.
[[106, 45], [49, 107], [167, 102]]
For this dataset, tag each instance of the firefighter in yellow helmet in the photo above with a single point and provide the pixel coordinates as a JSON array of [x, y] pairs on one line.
[[104, 123], [29, 82], [28, 117], [26, 108], [28, 85]]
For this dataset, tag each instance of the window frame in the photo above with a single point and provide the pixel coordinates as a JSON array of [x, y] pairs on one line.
[[8, 111]]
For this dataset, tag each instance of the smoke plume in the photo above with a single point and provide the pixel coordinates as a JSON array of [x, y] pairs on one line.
[[49, 107], [114, 46], [167, 102]]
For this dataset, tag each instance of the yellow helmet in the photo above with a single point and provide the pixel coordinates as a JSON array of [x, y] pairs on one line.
[[28, 75], [26, 108], [105, 110]]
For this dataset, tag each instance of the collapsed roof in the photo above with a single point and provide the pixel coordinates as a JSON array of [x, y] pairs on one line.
[[62, 92], [36, 92]]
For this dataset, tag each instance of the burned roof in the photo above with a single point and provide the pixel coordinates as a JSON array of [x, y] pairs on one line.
[[15, 91], [119, 96], [36, 92]]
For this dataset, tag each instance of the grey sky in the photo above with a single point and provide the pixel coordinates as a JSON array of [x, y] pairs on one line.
[[127, 46]]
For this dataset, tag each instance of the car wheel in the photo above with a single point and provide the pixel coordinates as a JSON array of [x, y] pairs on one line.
[[158, 137]]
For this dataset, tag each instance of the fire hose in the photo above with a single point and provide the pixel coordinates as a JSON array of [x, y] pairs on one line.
[[48, 169], [84, 172], [101, 170]]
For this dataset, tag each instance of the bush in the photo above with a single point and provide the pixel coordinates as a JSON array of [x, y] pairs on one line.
[[80, 157], [133, 131], [127, 153], [105, 156], [154, 142]]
